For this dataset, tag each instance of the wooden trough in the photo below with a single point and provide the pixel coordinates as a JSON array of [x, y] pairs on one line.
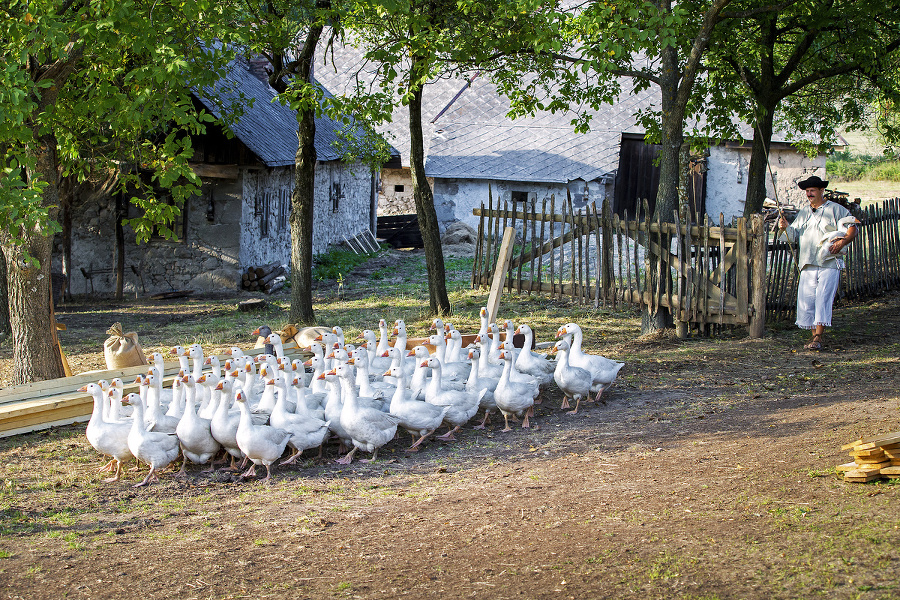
[[33, 406]]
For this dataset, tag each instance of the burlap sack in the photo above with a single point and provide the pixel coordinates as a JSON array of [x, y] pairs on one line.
[[122, 349], [303, 337]]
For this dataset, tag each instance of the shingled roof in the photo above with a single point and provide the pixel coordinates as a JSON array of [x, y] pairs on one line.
[[268, 128]]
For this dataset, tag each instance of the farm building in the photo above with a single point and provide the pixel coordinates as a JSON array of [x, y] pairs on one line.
[[240, 218], [471, 145]]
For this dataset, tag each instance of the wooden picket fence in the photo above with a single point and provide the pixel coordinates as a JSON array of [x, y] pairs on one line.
[[873, 262], [702, 273]]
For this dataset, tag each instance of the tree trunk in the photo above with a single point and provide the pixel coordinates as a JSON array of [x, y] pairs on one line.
[[428, 222], [759, 162], [671, 141], [35, 351], [303, 196], [4, 299]]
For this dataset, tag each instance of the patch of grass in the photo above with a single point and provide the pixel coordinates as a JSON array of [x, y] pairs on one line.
[[337, 263], [846, 166], [5, 554]]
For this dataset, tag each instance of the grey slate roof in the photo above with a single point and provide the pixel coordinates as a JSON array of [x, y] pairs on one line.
[[470, 137], [268, 128]]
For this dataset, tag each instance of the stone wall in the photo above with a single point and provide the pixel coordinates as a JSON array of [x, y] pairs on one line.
[[205, 260], [395, 196]]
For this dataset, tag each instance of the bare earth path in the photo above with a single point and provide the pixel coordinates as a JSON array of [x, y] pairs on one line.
[[707, 474]]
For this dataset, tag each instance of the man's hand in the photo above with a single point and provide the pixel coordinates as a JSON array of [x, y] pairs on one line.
[[782, 222], [837, 245]]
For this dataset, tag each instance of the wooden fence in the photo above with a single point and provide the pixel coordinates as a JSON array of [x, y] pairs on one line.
[[702, 273], [873, 262]]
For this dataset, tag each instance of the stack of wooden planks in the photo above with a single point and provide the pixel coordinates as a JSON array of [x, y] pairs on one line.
[[873, 458], [43, 404]]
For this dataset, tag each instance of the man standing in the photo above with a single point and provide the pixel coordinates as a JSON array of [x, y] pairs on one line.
[[820, 273]]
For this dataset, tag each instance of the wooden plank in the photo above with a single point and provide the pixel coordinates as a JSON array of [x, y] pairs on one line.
[[540, 265], [479, 248], [757, 321], [552, 262], [721, 267], [742, 270], [533, 232], [506, 248]]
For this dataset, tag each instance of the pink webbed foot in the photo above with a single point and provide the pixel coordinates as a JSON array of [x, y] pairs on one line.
[[565, 402]]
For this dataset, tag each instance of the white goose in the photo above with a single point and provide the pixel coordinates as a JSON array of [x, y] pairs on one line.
[[155, 419], [108, 438], [514, 397], [418, 418], [306, 430], [463, 404], [574, 382], [194, 432], [603, 370], [150, 447], [530, 363], [262, 444], [476, 383], [824, 252], [224, 423], [383, 338], [369, 429]]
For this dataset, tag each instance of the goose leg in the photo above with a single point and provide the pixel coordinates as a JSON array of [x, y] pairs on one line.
[[577, 403], [117, 475], [415, 447], [251, 472], [487, 415], [292, 458], [565, 402], [506, 421], [449, 437], [150, 478], [370, 460], [268, 477], [525, 424], [182, 472], [107, 467], [346, 460]]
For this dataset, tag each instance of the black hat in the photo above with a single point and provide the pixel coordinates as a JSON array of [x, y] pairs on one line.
[[813, 181]]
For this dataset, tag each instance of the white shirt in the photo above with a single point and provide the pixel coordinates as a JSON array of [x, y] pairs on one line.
[[810, 226]]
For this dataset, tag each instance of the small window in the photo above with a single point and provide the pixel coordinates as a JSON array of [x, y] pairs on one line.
[[399, 188], [335, 197], [519, 197]]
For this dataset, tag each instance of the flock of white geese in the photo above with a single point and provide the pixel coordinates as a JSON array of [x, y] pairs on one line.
[[253, 409]]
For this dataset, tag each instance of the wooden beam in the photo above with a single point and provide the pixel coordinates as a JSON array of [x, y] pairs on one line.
[[506, 248], [216, 171]]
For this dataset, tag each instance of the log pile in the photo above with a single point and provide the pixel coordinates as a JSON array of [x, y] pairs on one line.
[[267, 278], [873, 459]]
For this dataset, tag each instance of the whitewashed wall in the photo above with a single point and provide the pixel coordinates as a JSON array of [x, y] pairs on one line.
[[726, 179], [455, 199]]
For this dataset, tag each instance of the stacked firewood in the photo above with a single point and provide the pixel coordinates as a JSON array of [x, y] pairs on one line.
[[267, 278], [873, 459]]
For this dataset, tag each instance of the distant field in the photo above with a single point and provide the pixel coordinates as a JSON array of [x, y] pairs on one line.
[[869, 191]]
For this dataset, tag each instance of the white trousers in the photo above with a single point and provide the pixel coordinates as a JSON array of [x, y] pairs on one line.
[[815, 294]]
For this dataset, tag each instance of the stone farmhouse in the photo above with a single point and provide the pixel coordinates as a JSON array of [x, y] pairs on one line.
[[240, 218]]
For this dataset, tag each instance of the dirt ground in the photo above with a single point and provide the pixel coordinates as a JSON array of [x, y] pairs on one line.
[[708, 473]]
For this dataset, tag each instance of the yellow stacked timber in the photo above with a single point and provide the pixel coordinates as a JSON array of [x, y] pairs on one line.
[[43, 404], [873, 458]]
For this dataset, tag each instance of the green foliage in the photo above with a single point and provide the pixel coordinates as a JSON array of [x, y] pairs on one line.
[[845, 166], [337, 264]]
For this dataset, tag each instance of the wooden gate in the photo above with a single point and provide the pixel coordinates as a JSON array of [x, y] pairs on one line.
[[701, 273]]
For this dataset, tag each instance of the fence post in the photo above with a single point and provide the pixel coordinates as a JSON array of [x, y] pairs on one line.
[[757, 325]]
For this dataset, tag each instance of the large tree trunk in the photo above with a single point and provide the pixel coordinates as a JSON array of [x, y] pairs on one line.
[[672, 138], [4, 299], [428, 222], [35, 351], [759, 162], [303, 197]]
